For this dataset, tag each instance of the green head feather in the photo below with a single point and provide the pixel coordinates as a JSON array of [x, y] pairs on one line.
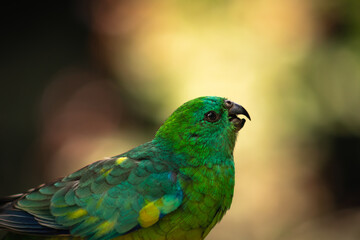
[[190, 131]]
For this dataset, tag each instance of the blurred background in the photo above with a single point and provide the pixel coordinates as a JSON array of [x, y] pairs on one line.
[[82, 80]]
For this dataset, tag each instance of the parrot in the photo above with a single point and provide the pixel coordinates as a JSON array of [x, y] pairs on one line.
[[176, 186]]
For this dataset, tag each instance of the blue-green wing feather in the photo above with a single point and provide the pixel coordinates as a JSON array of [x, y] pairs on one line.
[[108, 198]]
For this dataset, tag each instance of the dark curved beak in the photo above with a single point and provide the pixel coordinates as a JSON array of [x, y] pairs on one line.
[[237, 109]]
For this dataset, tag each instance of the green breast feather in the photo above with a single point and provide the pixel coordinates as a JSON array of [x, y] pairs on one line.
[[177, 186]]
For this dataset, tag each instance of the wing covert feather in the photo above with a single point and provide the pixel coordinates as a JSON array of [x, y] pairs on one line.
[[108, 198]]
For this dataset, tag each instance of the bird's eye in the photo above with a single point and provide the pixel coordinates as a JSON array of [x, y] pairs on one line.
[[212, 116]]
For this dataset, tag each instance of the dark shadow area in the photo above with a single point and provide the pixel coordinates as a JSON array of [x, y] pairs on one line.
[[341, 171], [38, 39]]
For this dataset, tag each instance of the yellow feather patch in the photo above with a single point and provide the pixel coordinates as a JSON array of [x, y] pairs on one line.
[[104, 228], [77, 213], [120, 160], [148, 215], [91, 220], [107, 172]]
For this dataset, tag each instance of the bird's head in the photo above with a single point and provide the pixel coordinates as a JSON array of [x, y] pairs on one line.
[[203, 124]]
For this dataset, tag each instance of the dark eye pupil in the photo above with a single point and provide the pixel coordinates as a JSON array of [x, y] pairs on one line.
[[211, 116]]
